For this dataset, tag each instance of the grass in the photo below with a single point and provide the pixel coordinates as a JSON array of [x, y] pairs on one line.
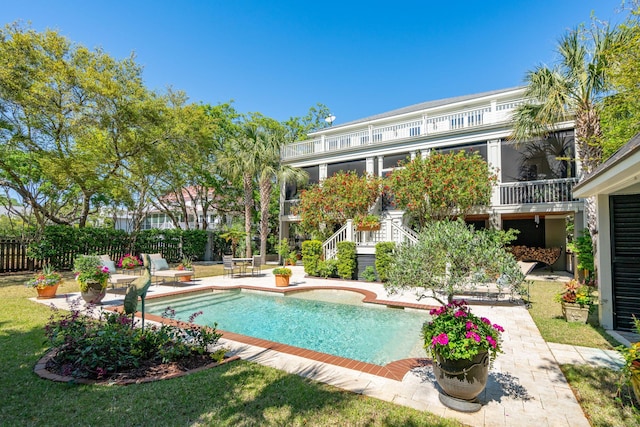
[[238, 394], [600, 395], [547, 315], [602, 398]]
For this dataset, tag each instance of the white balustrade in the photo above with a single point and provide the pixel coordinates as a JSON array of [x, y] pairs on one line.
[[540, 191], [501, 112]]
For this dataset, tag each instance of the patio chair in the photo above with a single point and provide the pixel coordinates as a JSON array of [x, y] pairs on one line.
[[160, 269], [256, 264], [228, 266]]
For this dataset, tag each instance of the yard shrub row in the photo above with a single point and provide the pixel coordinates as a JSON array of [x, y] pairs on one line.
[[59, 244]]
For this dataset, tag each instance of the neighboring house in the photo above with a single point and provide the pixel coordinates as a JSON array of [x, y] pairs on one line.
[[195, 218], [535, 180], [615, 184]]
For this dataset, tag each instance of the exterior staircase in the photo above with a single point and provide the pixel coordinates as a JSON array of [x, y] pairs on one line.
[[390, 231]]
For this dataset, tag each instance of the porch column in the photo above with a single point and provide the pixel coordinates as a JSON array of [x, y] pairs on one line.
[[370, 166], [322, 172], [380, 165], [494, 157]]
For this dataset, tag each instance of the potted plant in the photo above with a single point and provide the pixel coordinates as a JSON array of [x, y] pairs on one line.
[[46, 282], [577, 300], [367, 222], [462, 346], [631, 367], [129, 261], [187, 265], [92, 277], [282, 276]]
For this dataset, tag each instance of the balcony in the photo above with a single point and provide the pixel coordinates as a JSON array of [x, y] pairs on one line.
[[491, 113], [541, 191]]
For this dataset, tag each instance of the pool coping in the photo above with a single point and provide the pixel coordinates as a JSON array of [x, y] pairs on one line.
[[395, 370]]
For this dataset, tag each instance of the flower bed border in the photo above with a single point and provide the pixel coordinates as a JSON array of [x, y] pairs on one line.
[[41, 370]]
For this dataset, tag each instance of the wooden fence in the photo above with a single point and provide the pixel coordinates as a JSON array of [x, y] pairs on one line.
[[14, 258]]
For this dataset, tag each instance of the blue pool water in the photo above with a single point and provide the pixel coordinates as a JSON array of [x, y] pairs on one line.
[[333, 322]]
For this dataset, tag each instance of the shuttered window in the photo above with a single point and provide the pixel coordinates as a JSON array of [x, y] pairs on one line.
[[625, 247]]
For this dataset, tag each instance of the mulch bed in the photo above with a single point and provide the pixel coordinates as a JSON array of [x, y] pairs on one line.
[[149, 370]]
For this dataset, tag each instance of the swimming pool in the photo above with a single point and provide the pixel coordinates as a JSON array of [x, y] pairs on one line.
[[328, 321]]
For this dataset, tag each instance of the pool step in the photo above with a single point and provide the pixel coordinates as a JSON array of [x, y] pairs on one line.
[[182, 303]]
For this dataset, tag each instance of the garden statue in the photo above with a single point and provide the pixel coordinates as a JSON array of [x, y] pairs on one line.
[[138, 288]]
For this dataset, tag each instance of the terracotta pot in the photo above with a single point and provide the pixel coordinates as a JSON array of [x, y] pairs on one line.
[[184, 278], [462, 381], [94, 294], [47, 291], [574, 312], [282, 280]]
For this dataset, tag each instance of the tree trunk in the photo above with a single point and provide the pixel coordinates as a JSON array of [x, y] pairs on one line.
[[248, 210], [265, 198]]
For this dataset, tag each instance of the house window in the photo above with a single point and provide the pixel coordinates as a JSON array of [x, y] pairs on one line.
[[549, 158]]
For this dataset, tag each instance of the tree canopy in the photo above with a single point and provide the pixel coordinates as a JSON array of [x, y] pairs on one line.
[[441, 185]]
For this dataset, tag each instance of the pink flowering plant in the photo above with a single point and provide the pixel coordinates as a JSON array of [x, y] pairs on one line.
[[129, 261], [455, 333]]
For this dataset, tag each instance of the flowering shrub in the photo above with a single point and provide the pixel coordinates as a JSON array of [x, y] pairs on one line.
[[99, 348], [455, 333], [342, 196], [129, 261], [441, 185], [576, 292], [48, 277]]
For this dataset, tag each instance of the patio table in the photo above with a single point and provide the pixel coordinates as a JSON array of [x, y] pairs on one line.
[[242, 263]]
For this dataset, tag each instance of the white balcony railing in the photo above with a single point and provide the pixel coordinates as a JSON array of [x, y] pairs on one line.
[[490, 113], [541, 191]]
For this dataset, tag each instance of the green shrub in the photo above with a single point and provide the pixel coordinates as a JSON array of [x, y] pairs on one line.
[[369, 274], [311, 255], [328, 268], [583, 248], [384, 258], [347, 263], [450, 258]]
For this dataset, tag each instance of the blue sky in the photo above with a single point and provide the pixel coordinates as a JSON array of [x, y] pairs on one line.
[[357, 57]]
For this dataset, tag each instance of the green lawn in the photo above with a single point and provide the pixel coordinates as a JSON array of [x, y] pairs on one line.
[[604, 400], [243, 393], [547, 314], [238, 394]]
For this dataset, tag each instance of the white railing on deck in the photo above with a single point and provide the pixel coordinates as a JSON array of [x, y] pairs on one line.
[[426, 125], [541, 191], [330, 246]]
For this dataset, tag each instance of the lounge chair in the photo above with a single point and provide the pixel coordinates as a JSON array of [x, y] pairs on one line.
[[160, 269], [115, 278], [228, 266]]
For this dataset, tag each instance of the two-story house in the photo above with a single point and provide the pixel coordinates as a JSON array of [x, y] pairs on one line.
[[535, 178]]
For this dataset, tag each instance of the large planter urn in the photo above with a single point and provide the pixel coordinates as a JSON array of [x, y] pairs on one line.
[[282, 280], [47, 291], [462, 381], [95, 293], [573, 312]]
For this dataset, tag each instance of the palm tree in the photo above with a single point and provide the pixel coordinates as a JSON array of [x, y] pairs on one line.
[[239, 160], [271, 171], [571, 89]]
